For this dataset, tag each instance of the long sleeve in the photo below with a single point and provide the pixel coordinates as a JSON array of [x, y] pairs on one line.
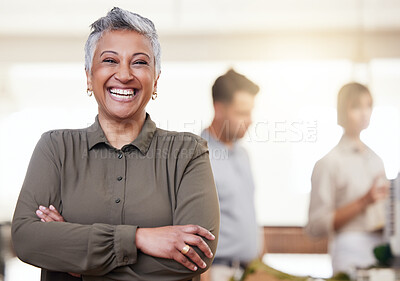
[[196, 203], [321, 210], [67, 247], [340, 178]]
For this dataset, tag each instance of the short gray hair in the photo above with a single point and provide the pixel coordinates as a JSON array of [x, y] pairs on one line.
[[119, 19]]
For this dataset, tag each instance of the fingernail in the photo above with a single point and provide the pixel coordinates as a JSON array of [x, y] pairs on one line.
[[211, 255], [42, 220], [195, 268], [52, 207], [39, 212], [42, 208], [204, 265]]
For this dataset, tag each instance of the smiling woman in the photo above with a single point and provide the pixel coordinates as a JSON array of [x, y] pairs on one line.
[[122, 199], [123, 76]]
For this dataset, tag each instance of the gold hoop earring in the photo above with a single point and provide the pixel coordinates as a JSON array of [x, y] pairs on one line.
[[154, 96], [89, 92]]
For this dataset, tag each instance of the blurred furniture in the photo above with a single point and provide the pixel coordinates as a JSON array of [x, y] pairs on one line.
[[6, 250], [291, 240], [2, 262]]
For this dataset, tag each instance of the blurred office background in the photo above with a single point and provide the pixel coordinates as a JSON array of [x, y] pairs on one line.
[[300, 52]]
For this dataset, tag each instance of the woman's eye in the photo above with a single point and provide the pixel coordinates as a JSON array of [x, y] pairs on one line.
[[140, 62], [109, 60]]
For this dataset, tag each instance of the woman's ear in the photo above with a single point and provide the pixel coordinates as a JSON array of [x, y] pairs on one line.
[[156, 82], [89, 80]]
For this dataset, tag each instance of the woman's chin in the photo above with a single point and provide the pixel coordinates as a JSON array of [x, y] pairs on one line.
[[120, 110], [124, 115], [364, 126], [120, 113]]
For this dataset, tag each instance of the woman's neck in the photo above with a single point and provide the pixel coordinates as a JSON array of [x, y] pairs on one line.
[[355, 137], [352, 135], [121, 132]]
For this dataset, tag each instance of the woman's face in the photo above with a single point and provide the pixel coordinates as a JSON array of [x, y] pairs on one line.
[[359, 114], [123, 75]]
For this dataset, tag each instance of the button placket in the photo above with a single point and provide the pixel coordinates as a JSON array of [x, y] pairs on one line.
[[118, 186]]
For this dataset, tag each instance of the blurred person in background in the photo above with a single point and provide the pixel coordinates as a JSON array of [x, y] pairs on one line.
[[348, 188], [121, 199], [233, 99]]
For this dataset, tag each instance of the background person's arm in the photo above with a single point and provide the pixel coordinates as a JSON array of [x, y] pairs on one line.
[[378, 191], [321, 210]]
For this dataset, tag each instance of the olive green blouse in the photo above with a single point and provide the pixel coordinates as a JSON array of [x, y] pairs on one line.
[[104, 194]]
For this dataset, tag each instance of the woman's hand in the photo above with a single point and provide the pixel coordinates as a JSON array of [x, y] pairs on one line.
[[378, 191], [170, 241], [51, 214]]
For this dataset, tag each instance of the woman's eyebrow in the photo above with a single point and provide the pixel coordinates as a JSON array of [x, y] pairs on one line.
[[140, 53], [106, 51], [116, 53]]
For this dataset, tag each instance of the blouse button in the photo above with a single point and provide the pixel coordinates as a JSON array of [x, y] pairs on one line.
[[120, 156], [119, 178], [117, 200]]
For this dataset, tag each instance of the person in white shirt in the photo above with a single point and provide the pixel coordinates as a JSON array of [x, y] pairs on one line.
[[349, 187]]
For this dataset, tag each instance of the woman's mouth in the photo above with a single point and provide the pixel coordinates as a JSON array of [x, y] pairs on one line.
[[122, 94]]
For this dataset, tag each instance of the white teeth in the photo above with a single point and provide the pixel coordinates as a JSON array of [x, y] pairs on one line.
[[122, 92], [122, 96]]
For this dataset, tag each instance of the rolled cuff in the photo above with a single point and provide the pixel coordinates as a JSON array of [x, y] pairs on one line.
[[124, 244], [321, 226]]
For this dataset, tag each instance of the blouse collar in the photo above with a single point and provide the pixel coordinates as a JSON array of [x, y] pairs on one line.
[[142, 142]]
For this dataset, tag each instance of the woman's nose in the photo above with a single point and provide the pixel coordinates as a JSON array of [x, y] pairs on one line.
[[124, 73]]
